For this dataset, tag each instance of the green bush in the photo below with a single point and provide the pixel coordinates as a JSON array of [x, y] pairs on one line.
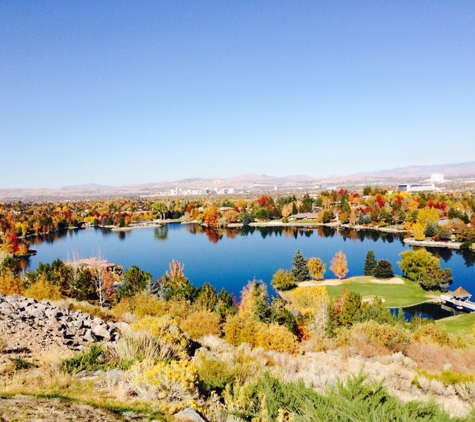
[[213, 372], [89, 360], [22, 364]]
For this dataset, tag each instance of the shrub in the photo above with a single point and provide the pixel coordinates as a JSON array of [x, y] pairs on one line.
[[432, 333], [241, 329], [308, 297], [172, 341], [43, 289], [87, 360], [20, 364], [448, 377], [201, 323], [88, 308], [276, 337], [170, 386], [214, 372], [283, 280], [371, 338], [10, 284], [139, 345], [123, 308], [147, 304]]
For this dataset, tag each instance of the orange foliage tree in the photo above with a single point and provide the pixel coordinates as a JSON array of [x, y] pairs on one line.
[[339, 265], [211, 216]]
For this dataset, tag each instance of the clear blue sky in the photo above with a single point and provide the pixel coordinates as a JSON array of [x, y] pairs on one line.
[[128, 92]]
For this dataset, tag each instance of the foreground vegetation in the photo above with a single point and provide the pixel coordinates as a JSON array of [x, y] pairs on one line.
[[257, 359]]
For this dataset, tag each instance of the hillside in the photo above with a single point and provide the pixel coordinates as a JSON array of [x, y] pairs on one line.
[[243, 183]]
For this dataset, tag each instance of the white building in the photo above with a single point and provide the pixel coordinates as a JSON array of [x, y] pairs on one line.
[[437, 178]]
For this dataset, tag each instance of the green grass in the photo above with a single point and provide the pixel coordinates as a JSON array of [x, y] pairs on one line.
[[459, 324], [395, 295]]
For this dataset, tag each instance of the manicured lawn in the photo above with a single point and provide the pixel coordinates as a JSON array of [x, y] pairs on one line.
[[459, 324], [395, 295]]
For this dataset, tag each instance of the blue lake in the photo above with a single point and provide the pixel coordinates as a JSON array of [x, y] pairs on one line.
[[230, 258]]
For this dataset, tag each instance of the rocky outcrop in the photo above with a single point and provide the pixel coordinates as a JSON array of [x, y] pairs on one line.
[[26, 324]]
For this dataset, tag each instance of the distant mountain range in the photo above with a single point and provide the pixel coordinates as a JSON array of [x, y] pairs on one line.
[[245, 183]]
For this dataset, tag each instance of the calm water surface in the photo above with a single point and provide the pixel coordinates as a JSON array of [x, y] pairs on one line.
[[229, 258]]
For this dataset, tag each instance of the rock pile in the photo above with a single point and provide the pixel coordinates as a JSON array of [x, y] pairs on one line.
[[27, 325]]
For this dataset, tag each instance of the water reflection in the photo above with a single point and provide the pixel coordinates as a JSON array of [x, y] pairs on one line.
[[161, 232], [427, 310], [447, 253], [214, 235]]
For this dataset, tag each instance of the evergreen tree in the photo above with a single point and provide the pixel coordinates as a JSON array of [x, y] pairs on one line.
[[247, 219], [224, 304], [370, 264], [294, 209], [207, 297], [152, 286], [300, 270], [384, 269]]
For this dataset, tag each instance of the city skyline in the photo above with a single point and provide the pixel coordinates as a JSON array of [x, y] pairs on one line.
[[121, 93]]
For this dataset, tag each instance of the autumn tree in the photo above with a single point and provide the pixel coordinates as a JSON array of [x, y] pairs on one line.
[[418, 231], [300, 270], [103, 281], [339, 265], [283, 280], [423, 267], [316, 267], [427, 215], [211, 216], [254, 299], [370, 263]]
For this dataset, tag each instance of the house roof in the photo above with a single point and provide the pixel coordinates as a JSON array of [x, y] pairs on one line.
[[461, 292]]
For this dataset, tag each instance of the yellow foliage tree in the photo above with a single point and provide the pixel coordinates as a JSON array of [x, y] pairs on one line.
[[10, 284], [43, 289], [308, 297], [253, 298], [418, 231], [176, 269], [313, 304], [202, 323], [240, 329], [316, 267], [427, 215], [339, 265]]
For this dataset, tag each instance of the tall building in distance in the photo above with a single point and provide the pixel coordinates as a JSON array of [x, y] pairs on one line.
[[437, 178]]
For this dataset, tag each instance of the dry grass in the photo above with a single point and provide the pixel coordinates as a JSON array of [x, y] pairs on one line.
[[433, 357]]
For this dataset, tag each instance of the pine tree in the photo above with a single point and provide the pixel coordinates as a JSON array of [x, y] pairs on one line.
[[152, 286], [300, 270], [370, 264], [384, 269], [294, 209]]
